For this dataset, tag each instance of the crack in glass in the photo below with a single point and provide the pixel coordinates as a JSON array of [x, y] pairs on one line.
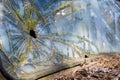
[[37, 36]]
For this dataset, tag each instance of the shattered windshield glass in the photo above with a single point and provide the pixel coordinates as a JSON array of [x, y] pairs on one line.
[[39, 37]]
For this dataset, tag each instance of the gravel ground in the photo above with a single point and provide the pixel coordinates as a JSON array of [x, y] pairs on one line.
[[104, 67]]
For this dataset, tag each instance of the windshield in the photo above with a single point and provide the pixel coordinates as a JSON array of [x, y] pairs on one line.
[[36, 35]]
